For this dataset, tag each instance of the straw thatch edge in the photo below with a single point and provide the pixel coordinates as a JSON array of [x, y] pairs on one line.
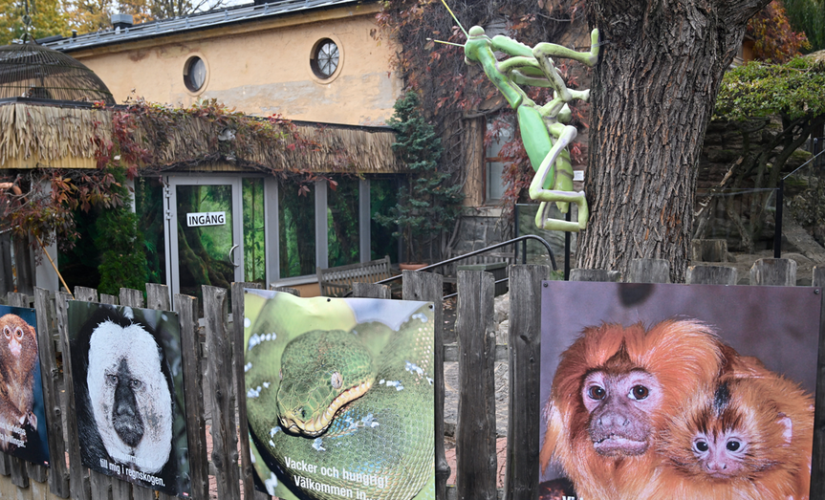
[[45, 134]]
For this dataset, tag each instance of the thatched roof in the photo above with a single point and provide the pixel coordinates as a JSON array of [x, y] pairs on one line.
[[817, 56], [69, 137]]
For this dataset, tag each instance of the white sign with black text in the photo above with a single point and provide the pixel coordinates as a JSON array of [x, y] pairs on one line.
[[206, 219]]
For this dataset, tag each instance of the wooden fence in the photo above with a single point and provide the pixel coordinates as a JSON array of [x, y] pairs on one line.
[[213, 364]]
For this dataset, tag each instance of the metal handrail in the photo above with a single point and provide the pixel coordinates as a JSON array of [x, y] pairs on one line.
[[487, 249]]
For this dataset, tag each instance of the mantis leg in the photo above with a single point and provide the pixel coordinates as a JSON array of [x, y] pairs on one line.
[[562, 178]]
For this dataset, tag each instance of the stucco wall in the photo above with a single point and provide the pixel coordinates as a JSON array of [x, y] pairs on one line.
[[263, 71]]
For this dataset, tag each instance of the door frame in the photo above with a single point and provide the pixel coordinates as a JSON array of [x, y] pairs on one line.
[[171, 216]]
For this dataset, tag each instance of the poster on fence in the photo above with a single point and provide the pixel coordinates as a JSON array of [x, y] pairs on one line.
[[340, 396], [128, 387], [22, 413], [653, 391]]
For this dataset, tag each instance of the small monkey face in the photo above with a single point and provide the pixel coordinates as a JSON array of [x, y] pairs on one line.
[[721, 456], [14, 336], [620, 407]]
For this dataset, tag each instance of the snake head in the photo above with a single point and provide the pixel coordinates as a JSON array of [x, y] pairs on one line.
[[321, 371]]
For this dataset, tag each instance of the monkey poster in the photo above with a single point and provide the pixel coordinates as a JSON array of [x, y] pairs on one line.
[[22, 412], [677, 392], [128, 385], [340, 396]]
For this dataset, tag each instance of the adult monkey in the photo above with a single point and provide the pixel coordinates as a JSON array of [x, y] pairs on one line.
[[614, 391], [125, 402], [543, 128]]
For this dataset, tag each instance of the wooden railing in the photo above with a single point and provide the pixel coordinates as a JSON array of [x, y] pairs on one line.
[[213, 364]]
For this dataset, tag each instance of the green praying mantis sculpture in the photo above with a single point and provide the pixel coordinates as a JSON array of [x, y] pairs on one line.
[[544, 129]]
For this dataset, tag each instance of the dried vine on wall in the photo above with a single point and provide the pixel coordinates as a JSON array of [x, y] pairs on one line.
[[454, 92]]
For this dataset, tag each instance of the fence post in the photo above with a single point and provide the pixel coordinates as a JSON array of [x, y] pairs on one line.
[[100, 484], [777, 272], [131, 298], [711, 275], [522, 475], [476, 426], [219, 382], [371, 291], [109, 299], [78, 478], [602, 275], [187, 308], [430, 287], [249, 490], [777, 236], [17, 466], [157, 297], [58, 474], [649, 271], [818, 458]]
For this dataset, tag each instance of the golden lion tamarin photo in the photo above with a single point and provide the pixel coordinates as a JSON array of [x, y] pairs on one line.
[[678, 393], [22, 418], [614, 391]]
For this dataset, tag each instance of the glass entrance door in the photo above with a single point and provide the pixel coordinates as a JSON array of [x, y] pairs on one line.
[[204, 229]]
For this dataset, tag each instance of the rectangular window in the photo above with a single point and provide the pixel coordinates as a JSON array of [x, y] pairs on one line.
[[342, 222], [296, 221], [499, 132], [149, 209], [254, 241], [383, 196]]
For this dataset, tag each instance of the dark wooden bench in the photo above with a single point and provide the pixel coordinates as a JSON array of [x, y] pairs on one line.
[[337, 281]]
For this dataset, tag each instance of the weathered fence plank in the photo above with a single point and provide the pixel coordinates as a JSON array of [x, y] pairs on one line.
[[430, 287], [522, 475], [219, 383], [158, 296], [50, 375], [709, 250], [246, 473], [602, 275], [17, 466], [131, 298], [79, 478], [100, 485], [105, 298], [371, 291], [476, 426], [818, 462], [712, 275], [776, 272], [649, 271], [187, 308]]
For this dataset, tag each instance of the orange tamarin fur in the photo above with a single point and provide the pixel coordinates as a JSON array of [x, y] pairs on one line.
[[615, 390], [750, 439]]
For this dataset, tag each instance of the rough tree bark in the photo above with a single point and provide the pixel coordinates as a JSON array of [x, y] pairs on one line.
[[652, 96]]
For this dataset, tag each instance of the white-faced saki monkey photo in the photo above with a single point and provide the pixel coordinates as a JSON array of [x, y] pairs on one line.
[[125, 400]]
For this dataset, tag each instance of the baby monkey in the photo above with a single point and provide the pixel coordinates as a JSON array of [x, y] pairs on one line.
[[751, 439]]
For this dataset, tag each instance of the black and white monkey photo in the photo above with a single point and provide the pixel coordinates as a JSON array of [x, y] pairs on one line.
[[126, 368]]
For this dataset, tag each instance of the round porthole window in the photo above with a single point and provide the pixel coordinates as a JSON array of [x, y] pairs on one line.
[[194, 74], [325, 58]]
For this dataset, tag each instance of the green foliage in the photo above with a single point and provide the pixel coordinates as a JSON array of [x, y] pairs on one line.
[[428, 204], [47, 18], [756, 90], [808, 16], [122, 260]]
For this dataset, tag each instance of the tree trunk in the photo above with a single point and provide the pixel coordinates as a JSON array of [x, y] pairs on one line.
[[652, 96]]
